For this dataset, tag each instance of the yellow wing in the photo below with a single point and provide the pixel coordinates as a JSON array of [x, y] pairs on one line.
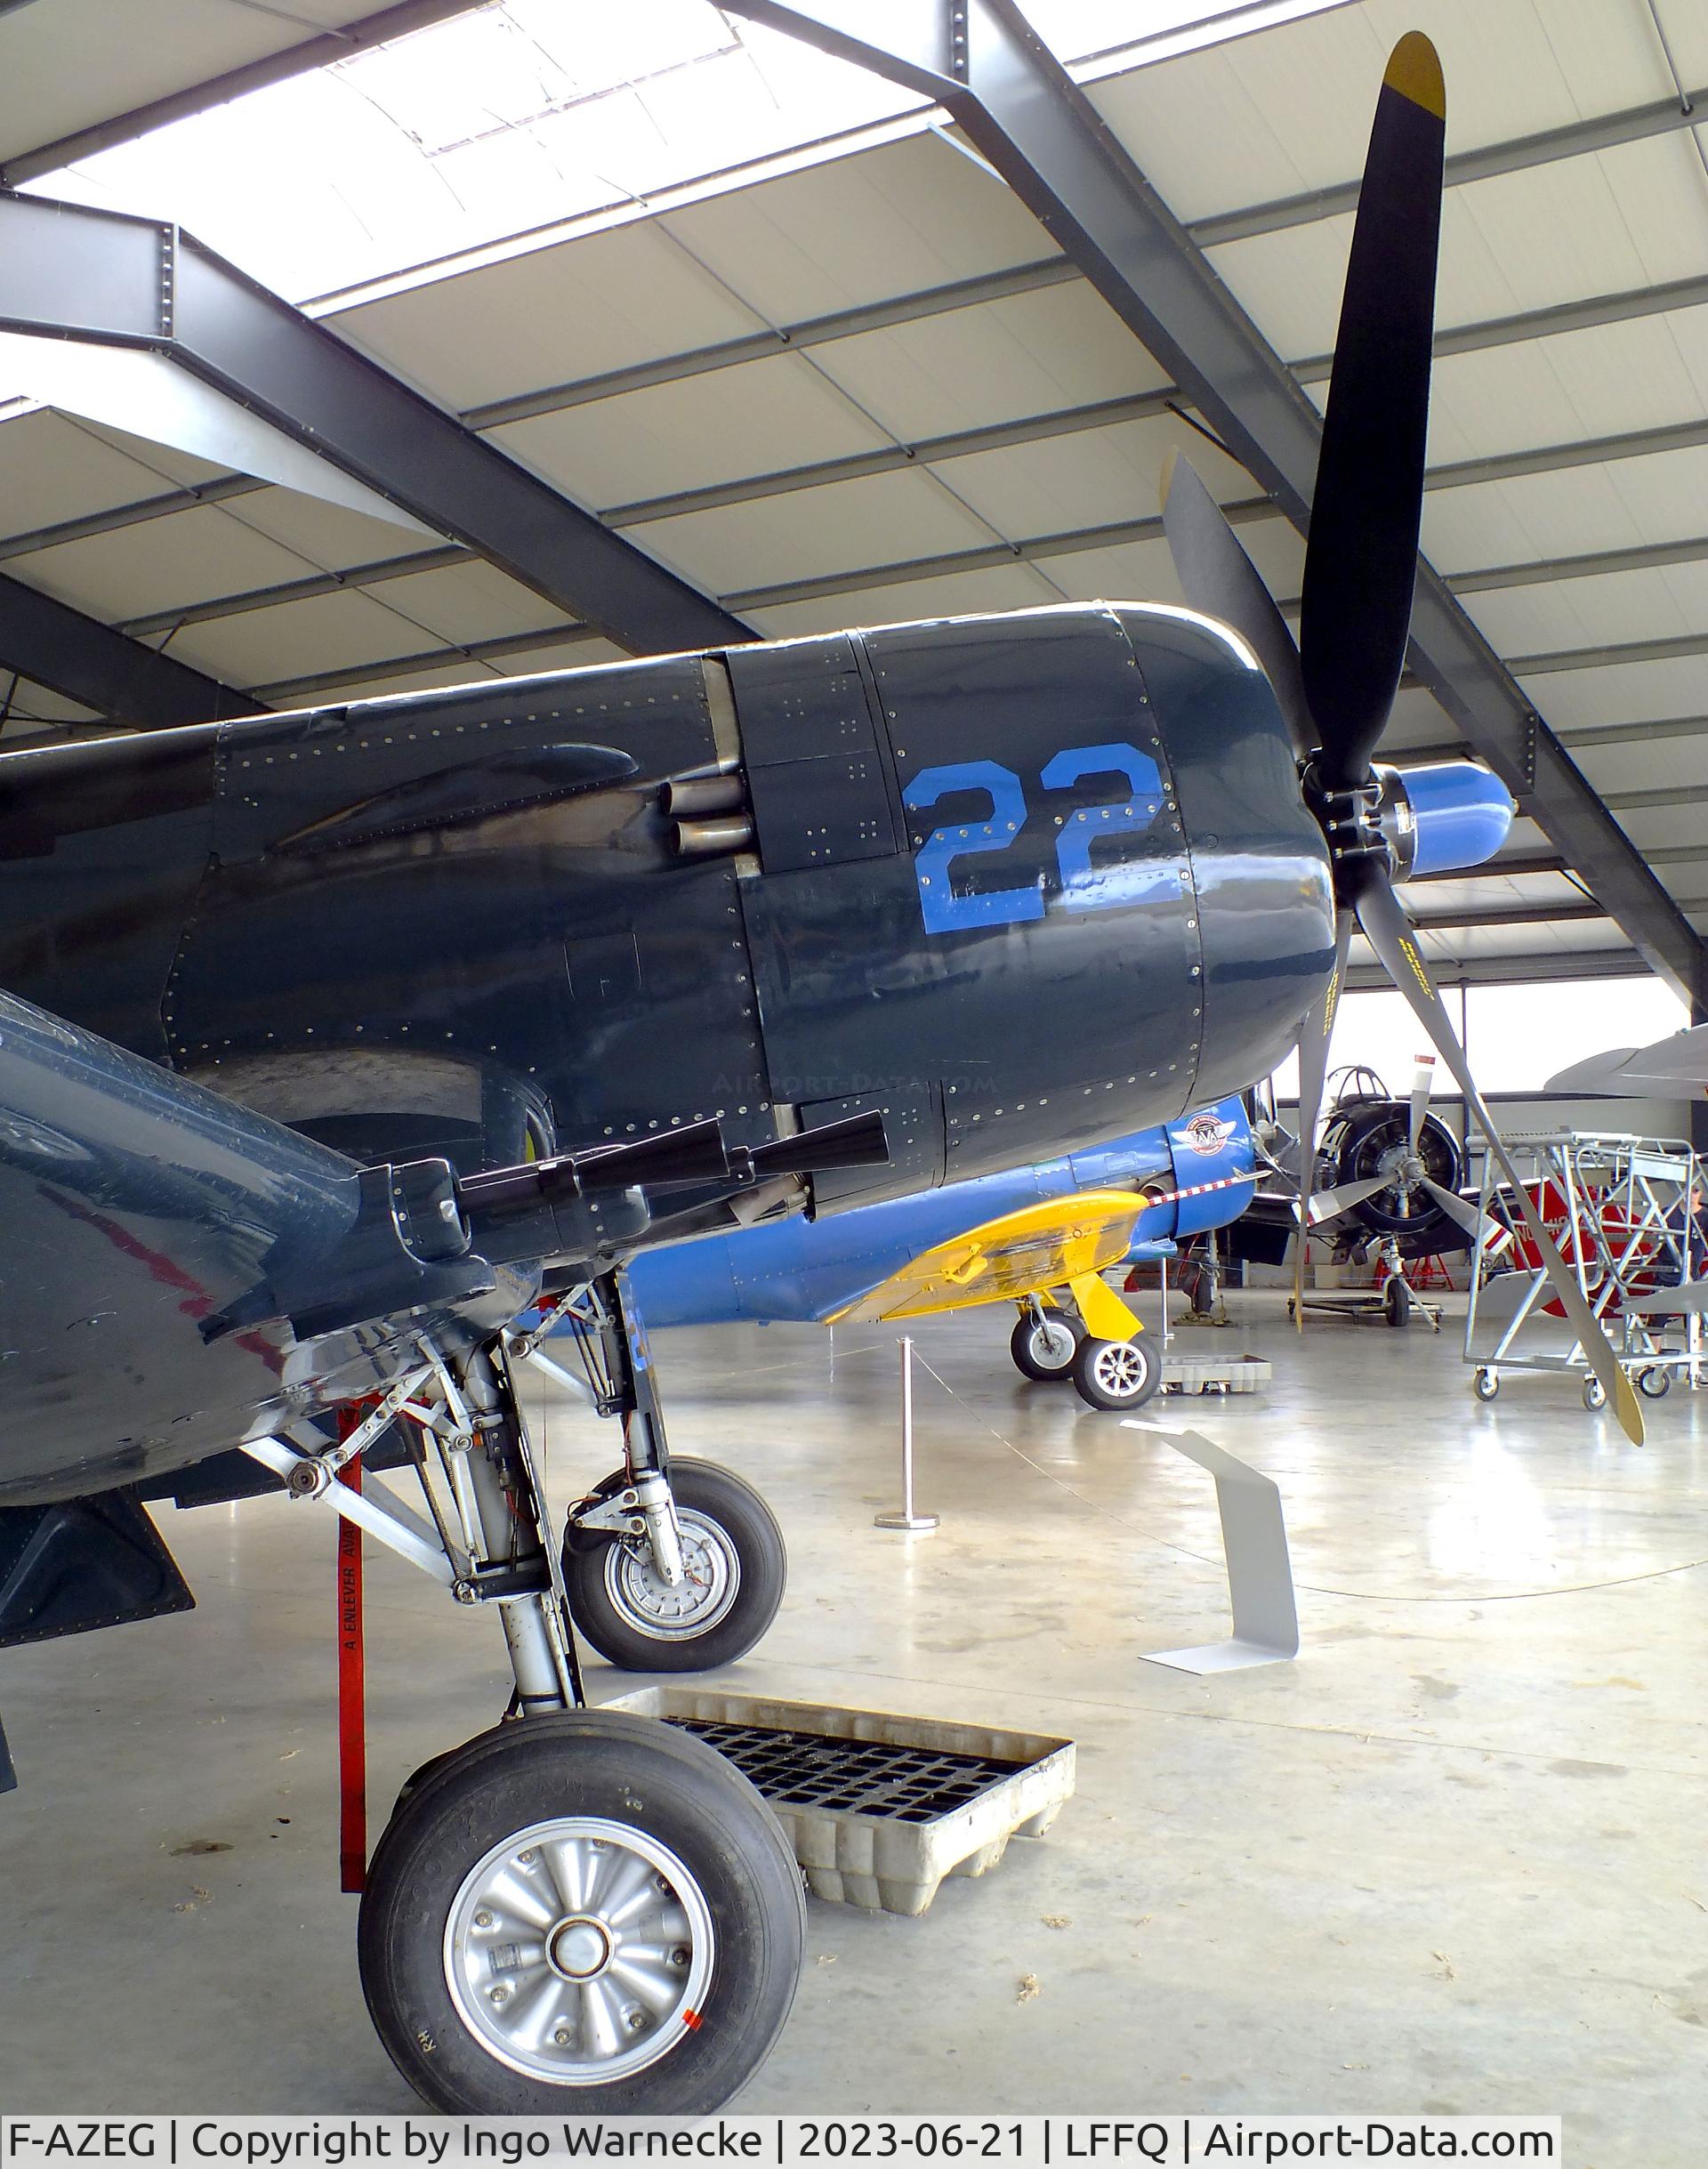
[[1064, 1243]]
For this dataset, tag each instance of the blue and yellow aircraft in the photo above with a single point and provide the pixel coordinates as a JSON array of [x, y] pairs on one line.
[[1017, 1236]]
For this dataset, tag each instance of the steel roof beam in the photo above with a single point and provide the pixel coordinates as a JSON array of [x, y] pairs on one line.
[[1674, 649], [1491, 869], [72, 272], [982, 61], [319, 52], [1509, 971], [1504, 915], [84, 660]]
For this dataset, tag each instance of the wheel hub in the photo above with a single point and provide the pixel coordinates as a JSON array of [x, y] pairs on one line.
[[1119, 1369], [710, 1584], [578, 1951]]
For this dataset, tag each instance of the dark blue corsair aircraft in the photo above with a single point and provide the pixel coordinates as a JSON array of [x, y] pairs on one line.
[[333, 1040]]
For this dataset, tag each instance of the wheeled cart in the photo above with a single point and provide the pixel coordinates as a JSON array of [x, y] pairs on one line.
[[1624, 1213]]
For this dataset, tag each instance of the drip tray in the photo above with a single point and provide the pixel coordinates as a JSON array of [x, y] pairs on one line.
[[879, 1808]]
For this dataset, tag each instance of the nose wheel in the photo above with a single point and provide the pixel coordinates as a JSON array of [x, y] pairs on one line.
[[733, 1566], [584, 1913]]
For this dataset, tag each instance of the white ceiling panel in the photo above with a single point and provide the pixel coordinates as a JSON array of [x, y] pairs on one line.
[[861, 228], [1126, 572], [998, 587], [1620, 692], [86, 60], [328, 535], [53, 469], [1658, 827], [1493, 893], [1607, 224], [1090, 479], [165, 461], [1575, 937], [1646, 373], [881, 518], [1417, 720], [1288, 110], [550, 316], [184, 557], [763, 415], [1644, 764], [467, 602], [296, 640], [1568, 512], [579, 655], [28, 706], [1687, 32], [1659, 602], [458, 670], [1029, 354]]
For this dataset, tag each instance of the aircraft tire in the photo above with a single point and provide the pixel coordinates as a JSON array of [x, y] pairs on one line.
[[1121, 1376], [583, 1811], [1397, 1304], [737, 1567], [1031, 1347]]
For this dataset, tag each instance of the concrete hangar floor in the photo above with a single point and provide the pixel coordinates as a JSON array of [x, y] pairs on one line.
[[1451, 1859]]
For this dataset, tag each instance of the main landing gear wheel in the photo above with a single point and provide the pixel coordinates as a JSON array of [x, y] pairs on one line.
[[735, 1568], [588, 1913], [1119, 1374], [1043, 1349], [1396, 1303]]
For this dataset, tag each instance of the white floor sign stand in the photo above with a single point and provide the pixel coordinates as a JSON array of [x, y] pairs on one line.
[[1260, 1571]]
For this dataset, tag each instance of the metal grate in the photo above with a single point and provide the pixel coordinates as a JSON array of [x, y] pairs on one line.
[[805, 1770]]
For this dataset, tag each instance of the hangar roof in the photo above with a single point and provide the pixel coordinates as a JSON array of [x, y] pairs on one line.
[[828, 370]]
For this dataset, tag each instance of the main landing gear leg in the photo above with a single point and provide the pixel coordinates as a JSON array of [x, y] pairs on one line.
[[670, 1564], [580, 1910]]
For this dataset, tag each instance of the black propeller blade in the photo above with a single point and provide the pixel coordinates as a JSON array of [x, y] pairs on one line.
[[1360, 571], [1361, 564]]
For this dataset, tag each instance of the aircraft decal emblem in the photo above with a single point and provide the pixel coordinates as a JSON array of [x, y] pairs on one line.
[[1206, 1133]]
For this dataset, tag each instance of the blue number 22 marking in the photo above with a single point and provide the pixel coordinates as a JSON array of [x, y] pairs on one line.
[[1085, 887], [943, 910], [1089, 888]]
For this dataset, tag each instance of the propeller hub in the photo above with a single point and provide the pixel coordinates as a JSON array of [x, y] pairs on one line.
[[1351, 818]]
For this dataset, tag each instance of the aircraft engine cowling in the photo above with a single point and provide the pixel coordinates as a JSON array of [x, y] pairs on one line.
[[1023, 882]]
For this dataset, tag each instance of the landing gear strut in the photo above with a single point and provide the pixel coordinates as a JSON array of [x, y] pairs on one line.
[[581, 1910], [669, 1564]]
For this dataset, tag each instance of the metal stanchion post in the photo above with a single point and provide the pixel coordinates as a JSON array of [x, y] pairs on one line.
[[907, 1518]]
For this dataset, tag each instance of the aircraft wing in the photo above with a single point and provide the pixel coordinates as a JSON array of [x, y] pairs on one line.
[[1670, 1068], [1063, 1242]]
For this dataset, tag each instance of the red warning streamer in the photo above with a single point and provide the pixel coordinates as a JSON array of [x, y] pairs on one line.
[[352, 1695]]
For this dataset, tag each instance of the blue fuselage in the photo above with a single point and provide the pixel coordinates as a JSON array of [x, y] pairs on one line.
[[803, 1270]]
